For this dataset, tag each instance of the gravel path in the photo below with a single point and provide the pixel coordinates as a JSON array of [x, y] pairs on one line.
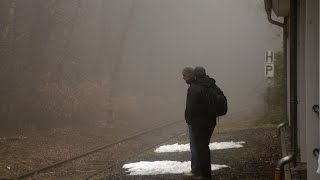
[[23, 153], [256, 160]]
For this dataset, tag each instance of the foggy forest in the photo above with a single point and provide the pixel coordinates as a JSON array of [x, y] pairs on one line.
[[76, 74]]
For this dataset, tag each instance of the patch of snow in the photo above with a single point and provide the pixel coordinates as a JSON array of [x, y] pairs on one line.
[[186, 147], [162, 167]]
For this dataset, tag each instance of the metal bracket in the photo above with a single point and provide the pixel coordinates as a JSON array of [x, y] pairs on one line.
[[316, 152], [279, 129], [316, 108]]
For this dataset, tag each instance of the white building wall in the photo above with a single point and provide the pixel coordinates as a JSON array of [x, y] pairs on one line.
[[312, 85], [318, 80]]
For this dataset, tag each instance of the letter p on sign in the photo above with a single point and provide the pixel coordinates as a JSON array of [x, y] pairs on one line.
[[269, 64]]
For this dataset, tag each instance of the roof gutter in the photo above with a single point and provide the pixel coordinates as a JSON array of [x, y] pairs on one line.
[[268, 8]]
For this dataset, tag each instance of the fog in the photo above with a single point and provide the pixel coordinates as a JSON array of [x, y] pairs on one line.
[[65, 62], [228, 38]]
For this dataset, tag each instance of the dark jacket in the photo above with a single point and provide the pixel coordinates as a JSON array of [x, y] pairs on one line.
[[196, 112]]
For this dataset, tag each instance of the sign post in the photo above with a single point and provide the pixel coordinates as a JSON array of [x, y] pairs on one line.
[[269, 64]]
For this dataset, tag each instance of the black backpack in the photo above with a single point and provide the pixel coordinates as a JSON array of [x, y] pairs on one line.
[[216, 101]]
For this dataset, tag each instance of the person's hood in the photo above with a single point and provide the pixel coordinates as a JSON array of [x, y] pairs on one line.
[[190, 81], [206, 81]]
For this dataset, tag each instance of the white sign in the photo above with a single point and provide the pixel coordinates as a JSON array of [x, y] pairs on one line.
[[269, 64]]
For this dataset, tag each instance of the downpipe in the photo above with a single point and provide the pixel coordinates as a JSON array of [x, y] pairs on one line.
[[280, 166], [279, 171], [293, 78]]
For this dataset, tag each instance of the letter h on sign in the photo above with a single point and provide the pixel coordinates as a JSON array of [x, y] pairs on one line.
[[269, 64]]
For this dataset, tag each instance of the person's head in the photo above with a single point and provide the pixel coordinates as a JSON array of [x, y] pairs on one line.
[[199, 72], [188, 74]]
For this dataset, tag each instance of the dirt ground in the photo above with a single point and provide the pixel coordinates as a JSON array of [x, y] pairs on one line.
[[22, 153], [255, 161]]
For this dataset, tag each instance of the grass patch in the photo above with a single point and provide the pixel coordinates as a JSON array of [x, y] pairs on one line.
[[242, 125]]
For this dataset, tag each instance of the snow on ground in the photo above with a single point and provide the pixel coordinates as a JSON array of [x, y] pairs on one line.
[[175, 167], [186, 147], [162, 167]]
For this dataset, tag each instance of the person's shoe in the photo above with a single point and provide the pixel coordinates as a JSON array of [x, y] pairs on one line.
[[189, 174]]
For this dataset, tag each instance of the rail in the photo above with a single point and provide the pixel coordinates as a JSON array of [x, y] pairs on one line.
[[59, 163], [100, 172]]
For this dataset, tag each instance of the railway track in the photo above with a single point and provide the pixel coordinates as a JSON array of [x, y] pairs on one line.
[[99, 160], [100, 174]]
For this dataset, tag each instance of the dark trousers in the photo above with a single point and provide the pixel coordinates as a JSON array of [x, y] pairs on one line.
[[202, 137], [195, 168]]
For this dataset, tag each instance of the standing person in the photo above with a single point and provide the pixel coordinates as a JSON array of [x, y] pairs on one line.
[[188, 76], [201, 121]]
